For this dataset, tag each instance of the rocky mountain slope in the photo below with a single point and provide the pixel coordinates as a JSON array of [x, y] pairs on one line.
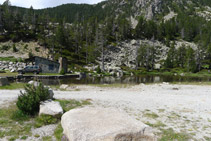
[[117, 33]]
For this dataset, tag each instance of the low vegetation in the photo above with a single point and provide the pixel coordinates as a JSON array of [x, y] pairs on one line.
[[58, 132], [13, 86], [170, 134], [14, 124], [71, 104], [29, 101]]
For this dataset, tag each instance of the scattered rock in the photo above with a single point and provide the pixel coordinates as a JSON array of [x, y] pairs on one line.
[[13, 70], [51, 93], [63, 86], [4, 81], [175, 88], [35, 83], [100, 124], [50, 107]]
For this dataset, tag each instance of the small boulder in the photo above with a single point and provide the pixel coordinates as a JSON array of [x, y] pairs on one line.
[[51, 93], [103, 124], [35, 83], [50, 107], [4, 81], [63, 86], [13, 70]]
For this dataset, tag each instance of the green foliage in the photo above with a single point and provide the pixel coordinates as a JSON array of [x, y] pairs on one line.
[[169, 134], [76, 36], [5, 48], [30, 55], [37, 49], [14, 48], [12, 59], [18, 115], [47, 138], [98, 70], [71, 104], [58, 132], [29, 101], [62, 72], [45, 120]]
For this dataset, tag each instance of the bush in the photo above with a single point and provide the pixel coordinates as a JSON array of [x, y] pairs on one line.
[[29, 101], [18, 115], [98, 70], [62, 72], [14, 48]]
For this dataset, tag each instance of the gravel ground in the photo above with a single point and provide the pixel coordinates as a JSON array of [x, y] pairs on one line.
[[184, 108]]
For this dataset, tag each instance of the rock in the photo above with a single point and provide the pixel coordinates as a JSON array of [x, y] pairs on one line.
[[4, 81], [157, 66], [51, 93], [35, 83], [50, 107], [13, 70], [103, 124], [182, 74], [63, 86]]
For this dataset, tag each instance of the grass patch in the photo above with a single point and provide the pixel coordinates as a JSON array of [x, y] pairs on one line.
[[13, 123], [13, 86], [45, 120], [10, 59], [191, 83], [47, 138], [7, 73], [161, 110], [151, 115], [169, 134], [158, 124], [58, 132], [174, 115], [116, 85], [16, 125], [71, 104]]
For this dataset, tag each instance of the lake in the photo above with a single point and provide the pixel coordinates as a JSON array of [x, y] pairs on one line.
[[125, 80]]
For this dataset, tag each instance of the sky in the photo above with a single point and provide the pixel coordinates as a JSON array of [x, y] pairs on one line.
[[39, 4]]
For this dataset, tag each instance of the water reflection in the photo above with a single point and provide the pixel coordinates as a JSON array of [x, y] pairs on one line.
[[125, 80]]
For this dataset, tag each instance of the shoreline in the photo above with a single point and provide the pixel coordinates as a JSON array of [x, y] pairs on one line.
[[184, 108]]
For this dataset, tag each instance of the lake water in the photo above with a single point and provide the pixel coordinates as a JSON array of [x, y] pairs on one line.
[[125, 80]]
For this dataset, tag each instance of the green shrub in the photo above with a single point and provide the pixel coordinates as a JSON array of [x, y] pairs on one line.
[[14, 48], [26, 47], [37, 49], [62, 72], [5, 47], [98, 70], [29, 101], [18, 115]]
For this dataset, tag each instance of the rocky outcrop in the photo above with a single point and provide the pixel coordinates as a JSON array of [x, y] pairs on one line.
[[103, 124], [11, 66], [125, 54], [50, 107]]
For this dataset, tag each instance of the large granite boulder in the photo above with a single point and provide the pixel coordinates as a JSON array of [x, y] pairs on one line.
[[4, 81], [103, 124], [50, 107]]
